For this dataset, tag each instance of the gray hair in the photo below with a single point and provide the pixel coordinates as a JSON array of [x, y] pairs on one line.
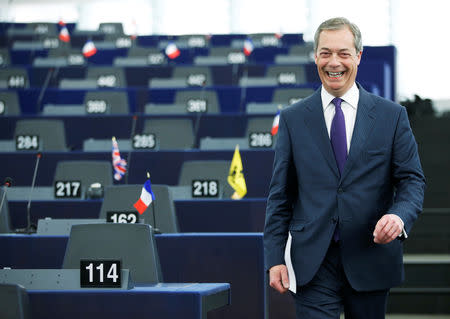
[[338, 24]]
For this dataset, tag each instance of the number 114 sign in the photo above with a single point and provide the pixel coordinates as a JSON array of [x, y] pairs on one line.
[[100, 273]]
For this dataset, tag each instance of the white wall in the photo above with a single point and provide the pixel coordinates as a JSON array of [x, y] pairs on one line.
[[419, 29]]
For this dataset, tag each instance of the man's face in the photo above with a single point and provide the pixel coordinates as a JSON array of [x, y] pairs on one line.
[[337, 60]]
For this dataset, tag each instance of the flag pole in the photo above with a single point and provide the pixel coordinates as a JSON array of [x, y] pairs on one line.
[[152, 204], [133, 131]]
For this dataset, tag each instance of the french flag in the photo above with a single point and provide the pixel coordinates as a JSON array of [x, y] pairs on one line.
[[89, 49], [248, 46], [276, 121], [172, 51], [147, 197], [64, 35]]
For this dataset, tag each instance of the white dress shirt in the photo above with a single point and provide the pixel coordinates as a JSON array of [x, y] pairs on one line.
[[349, 107]]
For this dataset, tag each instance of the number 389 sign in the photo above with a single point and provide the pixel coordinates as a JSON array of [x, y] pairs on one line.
[[100, 273]]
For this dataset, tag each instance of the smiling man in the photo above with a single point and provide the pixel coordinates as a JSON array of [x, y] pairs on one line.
[[346, 188]]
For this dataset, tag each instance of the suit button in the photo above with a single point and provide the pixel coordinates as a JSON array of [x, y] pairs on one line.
[[340, 190]]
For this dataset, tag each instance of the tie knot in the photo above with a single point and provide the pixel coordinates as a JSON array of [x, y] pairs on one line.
[[337, 101]]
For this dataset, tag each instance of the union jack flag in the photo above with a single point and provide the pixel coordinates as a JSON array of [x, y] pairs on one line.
[[119, 164]]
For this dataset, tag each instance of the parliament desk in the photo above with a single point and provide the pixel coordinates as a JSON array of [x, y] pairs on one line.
[[234, 258], [208, 215], [164, 166], [162, 301]]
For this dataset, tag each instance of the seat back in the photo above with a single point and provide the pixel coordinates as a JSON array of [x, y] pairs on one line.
[[120, 198], [112, 77], [9, 103], [306, 49], [111, 28], [152, 56], [52, 133], [171, 133], [194, 75], [195, 99], [113, 102], [5, 59], [87, 172], [232, 55], [15, 302], [223, 143], [207, 170], [259, 132], [14, 78], [133, 244], [288, 96], [287, 74]]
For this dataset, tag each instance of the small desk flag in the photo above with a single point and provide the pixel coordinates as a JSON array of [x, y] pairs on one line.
[[146, 198], [236, 177], [89, 49], [172, 50], [64, 35], [119, 164], [248, 46], [276, 121]]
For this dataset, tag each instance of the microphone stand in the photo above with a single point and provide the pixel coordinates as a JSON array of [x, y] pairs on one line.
[[198, 117], [32, 228], [152, 204], [6, 184], [133, 131], [155, 229], [244, 89], [52, 72]]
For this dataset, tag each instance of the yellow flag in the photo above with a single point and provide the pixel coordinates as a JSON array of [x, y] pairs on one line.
[[236, 177]]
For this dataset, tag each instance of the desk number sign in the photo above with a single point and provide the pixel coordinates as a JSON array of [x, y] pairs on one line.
[[205, 188], [27, 142], [122, 217], [100, 273], [67, 189]]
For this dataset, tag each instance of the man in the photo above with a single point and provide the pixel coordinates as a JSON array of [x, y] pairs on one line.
[[347, 185]]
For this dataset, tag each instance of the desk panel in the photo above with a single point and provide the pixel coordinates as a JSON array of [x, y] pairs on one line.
[[204, 258], [224, 216], [166, 301], [164, 166]]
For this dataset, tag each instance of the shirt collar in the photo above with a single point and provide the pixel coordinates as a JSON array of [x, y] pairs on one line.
[[351, 97]]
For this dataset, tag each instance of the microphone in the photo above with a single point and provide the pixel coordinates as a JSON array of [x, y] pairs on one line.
[[32, 228], [8, 182]]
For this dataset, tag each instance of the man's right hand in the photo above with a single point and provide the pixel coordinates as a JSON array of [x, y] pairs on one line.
[[279, 279]]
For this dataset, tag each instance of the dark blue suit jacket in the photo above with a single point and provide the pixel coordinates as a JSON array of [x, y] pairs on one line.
[[382, 175]]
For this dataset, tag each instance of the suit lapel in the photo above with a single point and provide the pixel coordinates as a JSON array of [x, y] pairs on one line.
[[365, 119], [315, 121]]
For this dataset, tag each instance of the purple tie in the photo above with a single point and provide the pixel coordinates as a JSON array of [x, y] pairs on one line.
[[339, 143], [338, 135]]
